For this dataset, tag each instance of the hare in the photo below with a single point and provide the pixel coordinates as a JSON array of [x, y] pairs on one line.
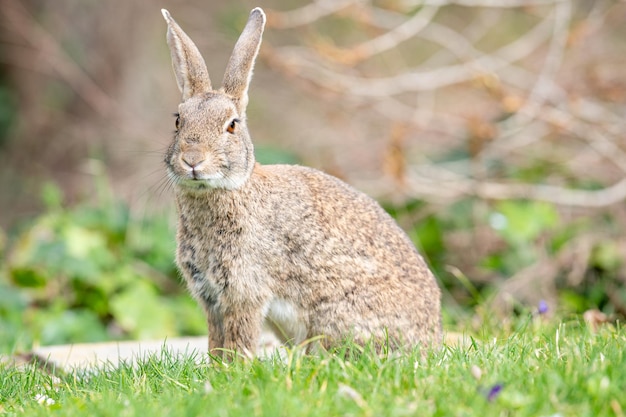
[[282, 245]]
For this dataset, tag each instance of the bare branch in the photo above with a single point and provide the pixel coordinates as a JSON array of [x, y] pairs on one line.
[[430, 182], [395, 36], [415, 80], [307, 14], [541, 90], [544, 104]]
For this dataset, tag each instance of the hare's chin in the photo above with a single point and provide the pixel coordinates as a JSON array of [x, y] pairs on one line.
[[207, 182]]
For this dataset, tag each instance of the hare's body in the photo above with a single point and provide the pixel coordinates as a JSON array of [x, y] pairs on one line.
[[286, 245], [309, 254]]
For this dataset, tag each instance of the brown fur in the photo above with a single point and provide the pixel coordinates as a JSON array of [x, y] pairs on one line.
[[287, 245]]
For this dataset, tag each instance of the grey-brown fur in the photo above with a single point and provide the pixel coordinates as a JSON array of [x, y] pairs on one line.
[[284, 244]]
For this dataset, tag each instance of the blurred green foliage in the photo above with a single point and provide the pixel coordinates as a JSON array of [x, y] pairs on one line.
[[519, 236], [92, 272]]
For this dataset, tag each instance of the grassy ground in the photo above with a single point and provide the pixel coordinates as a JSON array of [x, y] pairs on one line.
[[536, 369]]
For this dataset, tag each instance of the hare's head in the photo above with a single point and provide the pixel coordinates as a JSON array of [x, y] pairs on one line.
[[212, 146]]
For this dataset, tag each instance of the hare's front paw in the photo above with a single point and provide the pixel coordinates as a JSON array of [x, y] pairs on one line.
[[236, 335]]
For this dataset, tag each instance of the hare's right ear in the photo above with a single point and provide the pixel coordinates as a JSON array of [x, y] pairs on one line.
[[190, 69], [239, 69]]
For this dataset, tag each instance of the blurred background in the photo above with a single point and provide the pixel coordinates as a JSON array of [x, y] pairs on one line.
[[493, 130]]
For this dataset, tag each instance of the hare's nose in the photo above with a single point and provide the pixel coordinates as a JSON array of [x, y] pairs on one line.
[[192, 162]]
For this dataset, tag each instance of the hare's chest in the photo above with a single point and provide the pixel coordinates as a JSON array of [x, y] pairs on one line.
[[201, 284]]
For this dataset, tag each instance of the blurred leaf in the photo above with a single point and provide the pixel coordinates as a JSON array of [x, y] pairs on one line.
[[89, 297], [111, 282], [190, 319], [571, 301], [70, 326], [140, 311], [429, 236], [81, 242], [13, 303], [51, 195], [28, 277], [563, 235], [607, 256], [11, 300], [153, 242], [520, 222], [112, 220], [493, 262]]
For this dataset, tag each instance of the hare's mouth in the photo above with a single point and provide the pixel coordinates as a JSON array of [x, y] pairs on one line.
[[201, 181]]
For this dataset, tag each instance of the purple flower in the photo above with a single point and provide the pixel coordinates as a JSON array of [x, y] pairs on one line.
[[494, 392], [542, 308]]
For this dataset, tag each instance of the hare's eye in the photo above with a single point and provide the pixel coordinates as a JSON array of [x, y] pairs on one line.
[[177, 121], [232, 125]]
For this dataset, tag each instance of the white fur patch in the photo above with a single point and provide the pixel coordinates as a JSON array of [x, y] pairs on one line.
[[206, 181], [285, 316]]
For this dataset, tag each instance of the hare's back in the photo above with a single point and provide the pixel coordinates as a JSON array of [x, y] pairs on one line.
[[320, 209]]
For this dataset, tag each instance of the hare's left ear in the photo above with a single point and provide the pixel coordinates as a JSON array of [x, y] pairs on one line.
[[190, 69], [241, 63]]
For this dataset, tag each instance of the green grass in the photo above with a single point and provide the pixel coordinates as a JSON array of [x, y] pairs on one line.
[[544, 369]]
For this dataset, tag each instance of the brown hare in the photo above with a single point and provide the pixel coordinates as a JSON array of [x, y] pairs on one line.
[[287, 246]]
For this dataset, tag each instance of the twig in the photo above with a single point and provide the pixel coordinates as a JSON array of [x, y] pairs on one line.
[[307, 14], [541, 89], [429, 181], [395, 36]]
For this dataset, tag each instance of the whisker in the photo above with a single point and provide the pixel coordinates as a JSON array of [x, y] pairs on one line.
[[165, 184]]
